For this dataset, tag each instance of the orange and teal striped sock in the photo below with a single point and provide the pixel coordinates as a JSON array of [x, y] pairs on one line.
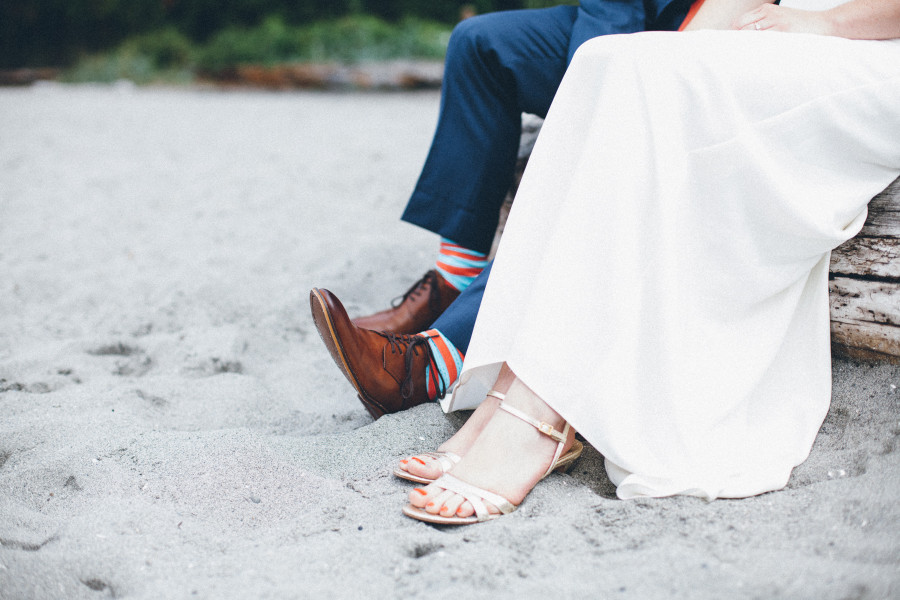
[[445, 364], [459, 266]]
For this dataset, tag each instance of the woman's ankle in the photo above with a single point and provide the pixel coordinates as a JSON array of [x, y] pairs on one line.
[[522, 397]]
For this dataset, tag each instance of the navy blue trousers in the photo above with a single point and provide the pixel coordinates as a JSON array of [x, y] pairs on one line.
[[498, 66], [458, 320]]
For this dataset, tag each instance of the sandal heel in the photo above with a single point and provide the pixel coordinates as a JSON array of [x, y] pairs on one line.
[[567, 460], [563, 468]]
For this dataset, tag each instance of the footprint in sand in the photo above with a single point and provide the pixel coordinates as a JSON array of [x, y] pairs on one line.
[[131, 361], [98, 585], [216, 366], [53, 383], [157, 401]]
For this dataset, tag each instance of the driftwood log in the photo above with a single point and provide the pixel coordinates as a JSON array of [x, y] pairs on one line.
[[865, 285], [864, 280]]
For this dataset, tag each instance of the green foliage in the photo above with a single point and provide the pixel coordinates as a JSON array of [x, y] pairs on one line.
[[354, 39], [350, 39], [266, 44], [166, 48], [164, 55], [167, 55]]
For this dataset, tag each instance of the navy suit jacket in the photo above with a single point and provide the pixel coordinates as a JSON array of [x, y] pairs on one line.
[[604, 17]]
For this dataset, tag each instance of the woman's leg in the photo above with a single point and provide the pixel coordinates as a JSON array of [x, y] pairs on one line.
[[672, 301], [508, 457], [427, 466]]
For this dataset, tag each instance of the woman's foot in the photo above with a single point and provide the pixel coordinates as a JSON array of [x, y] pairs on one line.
[[427, 466], [508, 458]]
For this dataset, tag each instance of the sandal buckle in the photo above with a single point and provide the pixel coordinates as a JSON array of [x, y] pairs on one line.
[[546, 428]]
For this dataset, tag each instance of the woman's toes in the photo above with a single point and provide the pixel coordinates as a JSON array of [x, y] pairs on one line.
[[465, 510], [450, 506], [422, 468], [435, 503], [418, 497]]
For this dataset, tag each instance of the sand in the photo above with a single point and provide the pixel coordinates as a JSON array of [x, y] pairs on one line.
[[171, 426]]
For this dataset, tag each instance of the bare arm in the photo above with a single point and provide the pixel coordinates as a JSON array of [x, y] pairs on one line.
[[722, 14], [858, 19]]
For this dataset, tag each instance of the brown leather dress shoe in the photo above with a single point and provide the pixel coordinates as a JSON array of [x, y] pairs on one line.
[[418, 308], [387, 369]]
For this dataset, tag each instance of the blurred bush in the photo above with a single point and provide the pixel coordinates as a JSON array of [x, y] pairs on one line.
[[349, 40], [165, 55], [166, 48]]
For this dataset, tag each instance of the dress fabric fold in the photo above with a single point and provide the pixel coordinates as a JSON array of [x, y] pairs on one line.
[[662, 281]]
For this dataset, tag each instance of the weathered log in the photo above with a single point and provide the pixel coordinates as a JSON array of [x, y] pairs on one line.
[[870, 257], [864, 287]]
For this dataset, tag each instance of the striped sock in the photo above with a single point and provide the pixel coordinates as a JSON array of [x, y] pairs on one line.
[[459, 266], [444, 366]]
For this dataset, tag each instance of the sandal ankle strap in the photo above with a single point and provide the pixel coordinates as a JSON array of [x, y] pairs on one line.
[[545, 428]]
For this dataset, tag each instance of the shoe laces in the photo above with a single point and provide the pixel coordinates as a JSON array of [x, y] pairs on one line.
[[409, 346], [430, 280]]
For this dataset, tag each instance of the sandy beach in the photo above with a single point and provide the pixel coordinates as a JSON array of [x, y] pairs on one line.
[[171, 426]]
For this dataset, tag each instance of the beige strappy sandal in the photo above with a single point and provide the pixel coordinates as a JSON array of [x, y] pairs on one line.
[[477, 496], [445, 461]]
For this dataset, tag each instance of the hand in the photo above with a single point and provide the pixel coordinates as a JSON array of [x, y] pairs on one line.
[[770, 17]]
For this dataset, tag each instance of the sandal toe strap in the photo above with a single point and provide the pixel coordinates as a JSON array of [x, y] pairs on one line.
[[446, 460], [476, 496]]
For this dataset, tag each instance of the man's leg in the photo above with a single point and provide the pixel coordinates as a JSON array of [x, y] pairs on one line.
[[457, 322], [498, 66], [449, 336]]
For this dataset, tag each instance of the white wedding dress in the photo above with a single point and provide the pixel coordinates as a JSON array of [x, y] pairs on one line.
[[662, 279]]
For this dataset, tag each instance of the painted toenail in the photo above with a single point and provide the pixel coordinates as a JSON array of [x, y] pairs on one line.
[[421, 491], [404, 461], [418, 460], [430, 504]]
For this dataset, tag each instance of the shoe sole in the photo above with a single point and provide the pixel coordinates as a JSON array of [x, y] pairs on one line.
[[324, 323], [401, 474], [420, 515]]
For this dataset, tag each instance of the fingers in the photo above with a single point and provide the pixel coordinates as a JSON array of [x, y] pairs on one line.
[[756, 19]]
